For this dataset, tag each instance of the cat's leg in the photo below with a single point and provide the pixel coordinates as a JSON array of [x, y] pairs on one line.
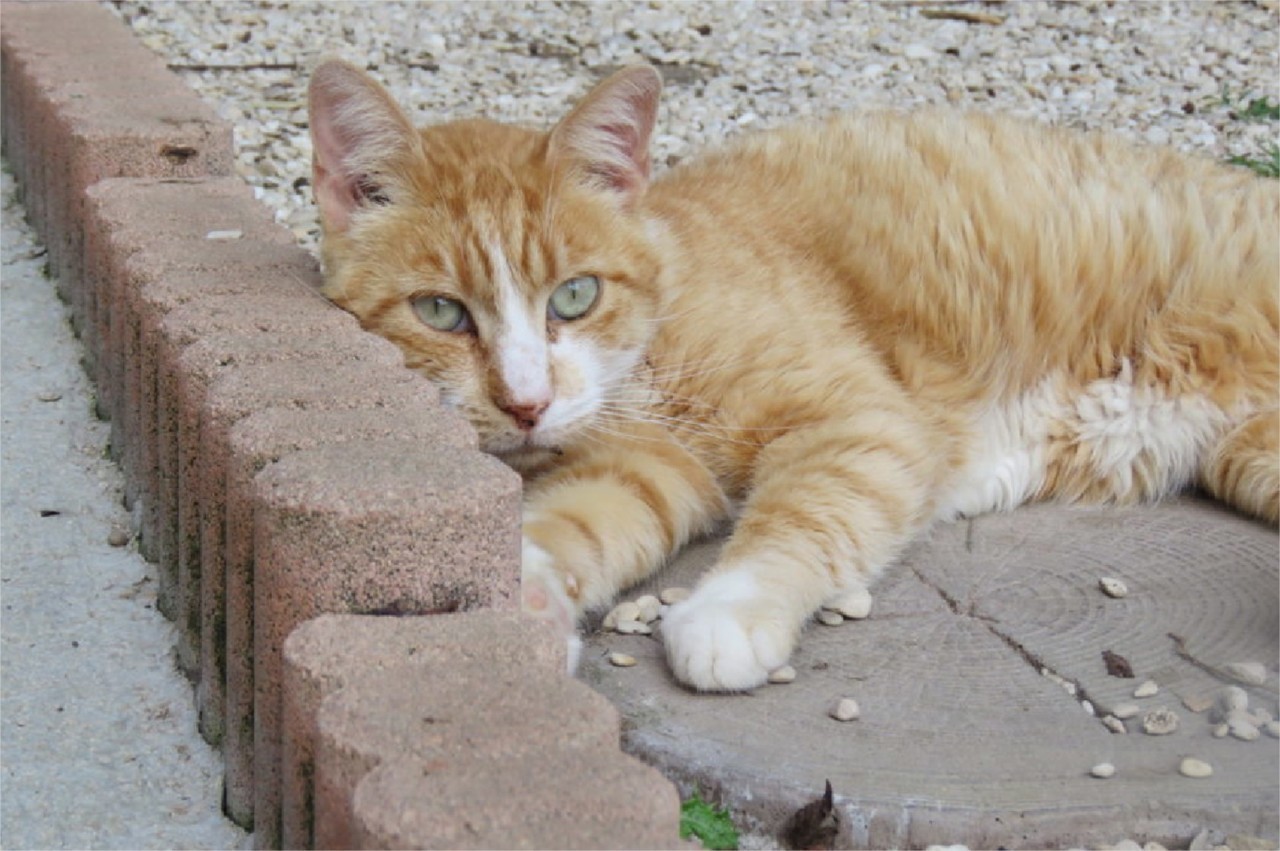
[[606, 519], [831, 505], [1243, 468]]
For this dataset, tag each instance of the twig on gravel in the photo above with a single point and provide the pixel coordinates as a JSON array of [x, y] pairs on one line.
[[962, 15]]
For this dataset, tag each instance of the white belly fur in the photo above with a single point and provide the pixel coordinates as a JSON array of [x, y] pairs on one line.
[[1113, 420]]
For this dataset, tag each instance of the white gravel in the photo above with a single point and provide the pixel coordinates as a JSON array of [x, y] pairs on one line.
[[1156, 72]]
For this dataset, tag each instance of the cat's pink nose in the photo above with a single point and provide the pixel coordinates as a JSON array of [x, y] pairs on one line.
[[525, 414]]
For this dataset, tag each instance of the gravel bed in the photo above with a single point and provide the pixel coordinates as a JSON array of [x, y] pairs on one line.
[[1156, 72]]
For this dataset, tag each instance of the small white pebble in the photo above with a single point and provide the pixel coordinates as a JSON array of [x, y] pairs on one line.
[[671, 596], [830, 618], [1149, 688], [845, 709], [1273, 729], [1221, 731], [1242, 729], [785, 674], [648, 605], [1192, 767], [1160, 722], [1233, 698], [1261, 716], [1087, 706], [1126, 710], [1153, 846], [224, 235], [1253, 673], [626, 611], [1103, 770], [1113, 588], [633, 628], [621, 660], [854, 604], [1114, 724]]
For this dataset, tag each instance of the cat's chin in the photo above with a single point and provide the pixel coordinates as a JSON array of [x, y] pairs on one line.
[[527, 451], [528, 458]]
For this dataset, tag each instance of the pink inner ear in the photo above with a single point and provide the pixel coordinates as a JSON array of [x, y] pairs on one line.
[[333, 195], [606, 138], [633, 145], [356, 129]]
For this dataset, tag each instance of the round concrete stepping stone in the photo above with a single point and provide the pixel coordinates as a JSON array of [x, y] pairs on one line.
[[968, 732]]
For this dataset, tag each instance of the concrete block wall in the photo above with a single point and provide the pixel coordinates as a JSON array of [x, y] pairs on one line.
[[341, 561]]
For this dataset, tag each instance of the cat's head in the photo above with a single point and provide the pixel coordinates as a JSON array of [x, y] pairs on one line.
[[511, 266]]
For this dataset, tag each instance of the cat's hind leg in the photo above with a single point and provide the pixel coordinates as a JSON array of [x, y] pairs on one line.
[[1243, 468]]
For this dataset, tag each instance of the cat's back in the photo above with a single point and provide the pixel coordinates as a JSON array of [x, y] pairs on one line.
[[987, 238]]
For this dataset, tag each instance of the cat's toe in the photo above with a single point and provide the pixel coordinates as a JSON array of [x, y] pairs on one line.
[[542, 594], [725, 639]]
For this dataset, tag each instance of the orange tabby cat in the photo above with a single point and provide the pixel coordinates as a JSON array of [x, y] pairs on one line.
[[836, 334]]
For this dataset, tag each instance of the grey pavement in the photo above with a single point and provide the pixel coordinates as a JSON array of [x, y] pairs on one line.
[[98, 741]]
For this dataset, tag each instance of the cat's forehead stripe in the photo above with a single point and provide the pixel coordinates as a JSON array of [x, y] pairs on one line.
[[520, 342]]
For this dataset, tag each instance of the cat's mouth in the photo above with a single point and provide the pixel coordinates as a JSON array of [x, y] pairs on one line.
[[532, 442]]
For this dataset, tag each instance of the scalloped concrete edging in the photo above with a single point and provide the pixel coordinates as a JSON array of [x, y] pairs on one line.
[[341, 561]]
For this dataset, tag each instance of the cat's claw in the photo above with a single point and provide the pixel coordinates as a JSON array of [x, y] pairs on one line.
[[543, 594], [725, 637]]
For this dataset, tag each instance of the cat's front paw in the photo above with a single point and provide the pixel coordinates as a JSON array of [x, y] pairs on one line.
[[726, 636], [543, 593]]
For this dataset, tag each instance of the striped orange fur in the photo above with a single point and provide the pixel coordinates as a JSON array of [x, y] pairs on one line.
[[833, 334]]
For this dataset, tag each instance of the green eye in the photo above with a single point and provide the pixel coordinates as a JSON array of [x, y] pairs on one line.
[[574, 297], [442, 314]]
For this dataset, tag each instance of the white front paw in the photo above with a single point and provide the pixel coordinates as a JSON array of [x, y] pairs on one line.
[[726, 636], [543, 593]]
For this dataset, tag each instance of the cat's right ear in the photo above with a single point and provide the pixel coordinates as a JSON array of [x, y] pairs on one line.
[[604, 140], [357, 133]]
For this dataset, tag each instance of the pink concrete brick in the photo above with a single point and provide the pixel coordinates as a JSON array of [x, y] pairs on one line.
[[210, 358], [318, 378], [73, 38], [553, 799], [227, 623], [455, 716], [95, 104], [180, 393], [140, 228], [375, 527], [333, 652], [154, 439], [235, 395]]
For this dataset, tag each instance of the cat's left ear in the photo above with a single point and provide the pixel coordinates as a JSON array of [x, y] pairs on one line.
[[604, 141], [358, 137]]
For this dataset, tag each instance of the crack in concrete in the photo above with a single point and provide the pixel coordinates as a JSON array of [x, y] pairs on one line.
[[1072, 687]]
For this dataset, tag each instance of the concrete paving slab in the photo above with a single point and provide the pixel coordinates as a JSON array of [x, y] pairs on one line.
[[968, 732], [97, 729]]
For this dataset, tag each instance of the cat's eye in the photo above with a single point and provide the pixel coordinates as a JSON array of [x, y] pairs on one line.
[[442, 314], [574, 297]]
